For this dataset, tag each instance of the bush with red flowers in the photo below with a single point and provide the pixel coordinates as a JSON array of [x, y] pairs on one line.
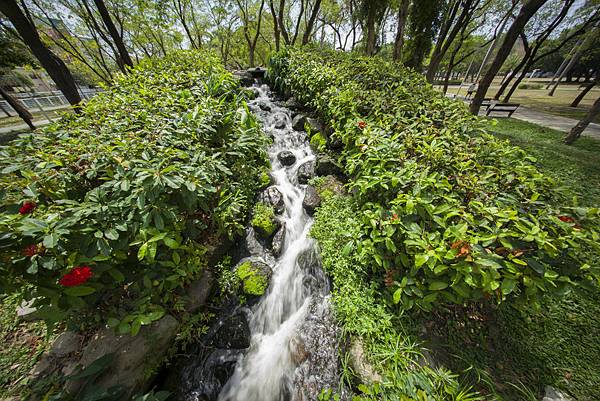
[[456, 193], [126, 199]]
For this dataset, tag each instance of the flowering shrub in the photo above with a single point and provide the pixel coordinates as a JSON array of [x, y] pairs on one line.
[[111, 211], [450, 214]]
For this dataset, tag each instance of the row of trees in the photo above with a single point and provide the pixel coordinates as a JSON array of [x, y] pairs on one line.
[[440, 37]]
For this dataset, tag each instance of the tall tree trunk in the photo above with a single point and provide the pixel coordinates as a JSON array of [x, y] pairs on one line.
[[399, 42], [276, 33], [584, 92], [370, 48], [114, 34], [513, 73], [516, 84], [311, 22], [53, 65], [18, 107], [577, 130], [527, 11]]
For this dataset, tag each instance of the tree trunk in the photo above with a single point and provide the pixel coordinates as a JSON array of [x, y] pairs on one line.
[[527, 11], [584, 92], [577, 130], [370, 49], [55, 67], [399, 42], [311, 22], [276, 33], [114, 34], [515, 86], [18, 107]]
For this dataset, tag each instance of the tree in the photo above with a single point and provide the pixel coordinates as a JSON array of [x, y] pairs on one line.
[[400, 27], [114, 34], [453, 23], [423, 25], [527, 11], [54, 66], [372, 12], [251, 39], [577, 130], [13, 53]]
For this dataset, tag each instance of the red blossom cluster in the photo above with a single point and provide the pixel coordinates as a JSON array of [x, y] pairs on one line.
[[78, 275], [361, 124], [31, 250], [566, 219], [27, 207]]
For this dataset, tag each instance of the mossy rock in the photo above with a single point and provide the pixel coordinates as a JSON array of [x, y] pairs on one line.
[[318, 142], [263, 220], [254, 276]]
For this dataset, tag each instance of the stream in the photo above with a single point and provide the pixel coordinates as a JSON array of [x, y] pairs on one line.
[[293, 345]]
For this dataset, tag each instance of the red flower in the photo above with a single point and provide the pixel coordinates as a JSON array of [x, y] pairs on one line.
[[394, 217], [28, 207], [566, 219], [30, 250], [78, 275], [361, 124]]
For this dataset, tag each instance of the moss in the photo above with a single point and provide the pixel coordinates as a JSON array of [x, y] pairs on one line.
[[318, 141], [263, 219], [265, 179], [254, 283]]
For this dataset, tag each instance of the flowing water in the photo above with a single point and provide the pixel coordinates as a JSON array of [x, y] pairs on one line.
[[294, 314]]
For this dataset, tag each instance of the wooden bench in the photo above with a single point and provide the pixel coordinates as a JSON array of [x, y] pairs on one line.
[[487, 102], [509, 108]]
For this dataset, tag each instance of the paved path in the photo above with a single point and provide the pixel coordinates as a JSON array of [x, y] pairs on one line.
[[558, 123], [22, 126], [547, 120]]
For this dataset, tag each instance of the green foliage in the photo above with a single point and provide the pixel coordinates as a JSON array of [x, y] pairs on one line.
[[531, 86], [449, 214], [139, 186], [263, 219], [362, 312], [318, 141], [253, 281]]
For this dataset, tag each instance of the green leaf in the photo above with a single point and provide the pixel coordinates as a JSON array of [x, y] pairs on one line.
[[437, 285], [111, 234], [508, 285], [397, 295], [50, 240], [142, 251], [79, 291]]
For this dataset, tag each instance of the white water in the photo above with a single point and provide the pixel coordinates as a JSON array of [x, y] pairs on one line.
[[266, 371]]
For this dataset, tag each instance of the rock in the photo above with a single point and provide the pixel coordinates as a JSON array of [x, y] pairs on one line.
[[278, 241], [199, 291], [206, 375], [312, 200], [327, 166], [257, 72], [60, 359], [299, 352], [359, 363], [254, 275], [552, 394], [314, 125], [272, 196], [244, 77], [286, 157], [305, 172], [292, 104], [264, 106], [234, 333], [135, 357], [67, 343], [298, 122], [280, 124]]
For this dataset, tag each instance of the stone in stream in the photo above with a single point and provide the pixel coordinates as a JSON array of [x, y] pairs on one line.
[[278, 241], [552, 394], [305, 172], [272, 196], [234, 333], [286, 157], [264, 106], [280, 124], [298, 122], [254, 275], [314, 125], [312, 200], [205, 377], [327, 166]]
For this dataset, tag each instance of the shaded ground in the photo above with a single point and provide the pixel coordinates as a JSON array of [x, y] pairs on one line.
[[513, 356]]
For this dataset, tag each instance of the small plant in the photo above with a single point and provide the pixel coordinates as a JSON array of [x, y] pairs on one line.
[[263, 219], [318, 141]]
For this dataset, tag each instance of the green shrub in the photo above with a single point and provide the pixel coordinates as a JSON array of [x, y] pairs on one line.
[[263, 219], [122, 201], [449, 213], [531, 86], [318, 141]]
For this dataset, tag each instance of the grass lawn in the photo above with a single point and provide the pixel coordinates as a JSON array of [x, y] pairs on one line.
[[538, 99], [22, 345], [512, 356]]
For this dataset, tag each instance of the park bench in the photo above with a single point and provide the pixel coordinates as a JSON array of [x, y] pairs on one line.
[[487, 102], [509, 108]]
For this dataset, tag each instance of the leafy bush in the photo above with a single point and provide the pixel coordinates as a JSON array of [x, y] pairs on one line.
[[449, 213], [531, 86], [121, 202]]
